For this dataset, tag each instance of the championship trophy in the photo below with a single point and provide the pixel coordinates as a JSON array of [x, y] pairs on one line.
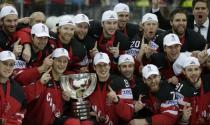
[[79, 87]]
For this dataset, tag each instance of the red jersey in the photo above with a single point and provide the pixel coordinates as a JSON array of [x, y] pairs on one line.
[[114, 113], [199, 100], [45, 103], [12, 103]]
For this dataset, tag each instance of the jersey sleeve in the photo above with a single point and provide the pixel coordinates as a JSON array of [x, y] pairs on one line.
[[24, 34], [124, 108], [33, 90], [26, 76], [168, 114], [16, 119]]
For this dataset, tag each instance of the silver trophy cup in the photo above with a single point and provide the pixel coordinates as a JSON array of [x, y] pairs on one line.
[[79, 87]]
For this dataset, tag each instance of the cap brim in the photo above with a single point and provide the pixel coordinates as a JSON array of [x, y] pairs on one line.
[[151, 73], [42, 34], [101, 61], [172, 43], [112, 19], [61, 56], [144, 21], [82, 21], [5, 59]]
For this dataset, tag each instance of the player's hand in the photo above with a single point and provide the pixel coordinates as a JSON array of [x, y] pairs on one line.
[[26, 55], [115, 50], [84, 69], [47, 63], [139, 105], [66, 95], [203, 55], [174, 80], [17, 50], [46, 76], [112, 96], [25, 20], [94, 50], [187, 112]]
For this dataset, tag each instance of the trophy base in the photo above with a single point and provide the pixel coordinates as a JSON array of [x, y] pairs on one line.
[[81, 110], [84, 118]]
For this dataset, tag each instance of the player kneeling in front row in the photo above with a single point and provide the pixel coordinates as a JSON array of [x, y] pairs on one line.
[[157, 101]]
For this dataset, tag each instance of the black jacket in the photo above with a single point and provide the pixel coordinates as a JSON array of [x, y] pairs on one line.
[[5, 41], [163, 22], [131, 30]]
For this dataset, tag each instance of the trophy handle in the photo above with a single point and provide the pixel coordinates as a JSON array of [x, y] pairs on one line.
[[90, 89], [65, 85]]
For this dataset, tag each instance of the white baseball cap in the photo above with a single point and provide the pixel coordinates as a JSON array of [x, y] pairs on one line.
[[149, 70], [7, 10], [52, 21], [101, 57], [40, 30], [58, 52], [109, 15], [149, 17], [6, 55], [178, 64], [66, 19], [125, 58], [81, 18], [171, 39], [189, 61], [121, 7]]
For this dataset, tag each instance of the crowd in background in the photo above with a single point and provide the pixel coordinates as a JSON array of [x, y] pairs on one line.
[[88, 7]]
